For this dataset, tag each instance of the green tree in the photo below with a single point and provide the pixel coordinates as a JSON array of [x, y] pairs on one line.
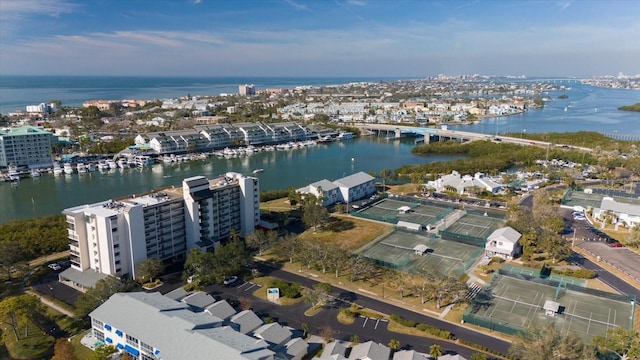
[[314, 215], [230, 259], [318, 295], [435, 351], [288, 246], [100, 293], [546, 343], [18, 311], [394, 344], [63, 350], [150, 268], [200, 265], [354, 339], [621, 342], [10, 257], [261, 240]]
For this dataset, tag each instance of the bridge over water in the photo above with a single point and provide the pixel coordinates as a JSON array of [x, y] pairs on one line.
[[440, 134]]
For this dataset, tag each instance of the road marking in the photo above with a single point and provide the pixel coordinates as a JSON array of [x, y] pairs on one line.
[[250, 287], [377, 322], [365, 322], [241, 285]]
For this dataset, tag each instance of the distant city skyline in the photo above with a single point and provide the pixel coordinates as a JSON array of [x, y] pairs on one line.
[[403, 38]]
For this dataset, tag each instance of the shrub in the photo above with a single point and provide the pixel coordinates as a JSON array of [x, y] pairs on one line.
[[402, 321], [289, 290], [578, 273], [497, 259]]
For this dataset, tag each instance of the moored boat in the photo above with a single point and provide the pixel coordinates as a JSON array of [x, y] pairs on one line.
[[68, 168]]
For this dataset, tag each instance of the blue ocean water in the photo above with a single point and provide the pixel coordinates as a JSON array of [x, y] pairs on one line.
[[16, 92]]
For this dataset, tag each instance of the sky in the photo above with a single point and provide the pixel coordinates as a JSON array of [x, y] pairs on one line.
[[403, 38]]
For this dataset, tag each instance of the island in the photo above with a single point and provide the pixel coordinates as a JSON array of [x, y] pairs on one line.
[[563, 96], [634, 107]]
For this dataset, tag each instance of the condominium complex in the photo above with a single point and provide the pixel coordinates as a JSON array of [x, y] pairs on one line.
[[111, 237], [178, 325], [26, 146], [245, 90]]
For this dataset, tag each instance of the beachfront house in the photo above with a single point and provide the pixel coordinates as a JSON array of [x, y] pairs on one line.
[[504, 242]]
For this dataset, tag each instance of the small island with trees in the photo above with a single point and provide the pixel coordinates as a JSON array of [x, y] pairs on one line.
[[634, 107], [563, 96]]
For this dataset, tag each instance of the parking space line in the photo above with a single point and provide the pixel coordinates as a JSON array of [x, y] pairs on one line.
[[377, 322], [365, 321], [243, 284], [250, 287]]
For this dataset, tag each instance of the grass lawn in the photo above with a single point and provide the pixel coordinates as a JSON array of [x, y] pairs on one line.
[[347, 232], [277, 205], [262, 292], [82, 352], [37, 345]]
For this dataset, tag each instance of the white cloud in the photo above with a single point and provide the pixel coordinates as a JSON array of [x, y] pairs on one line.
[[411, 48], [296, 5]]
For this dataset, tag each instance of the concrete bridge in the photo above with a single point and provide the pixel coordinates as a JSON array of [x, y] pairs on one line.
[[434, 134]]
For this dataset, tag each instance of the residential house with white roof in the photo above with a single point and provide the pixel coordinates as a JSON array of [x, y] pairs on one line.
[[621, 211], [410, 355], [462, 183], [504, 242], [325, 189], [369, 351]]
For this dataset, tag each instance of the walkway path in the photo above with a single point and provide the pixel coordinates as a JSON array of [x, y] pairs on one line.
[[52, 304]]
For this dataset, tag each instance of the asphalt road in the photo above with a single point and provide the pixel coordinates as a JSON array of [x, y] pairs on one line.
[[387, 308], [366, 328]]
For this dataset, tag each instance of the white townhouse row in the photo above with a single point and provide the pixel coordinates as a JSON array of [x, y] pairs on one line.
[[347, 189], [462, 183], [26, 146], [112, 237], [370, 350], [176, 326], [218, 136]]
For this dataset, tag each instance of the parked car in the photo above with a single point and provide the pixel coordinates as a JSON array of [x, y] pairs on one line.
[[616, 245], [230, 281], [55, 267]]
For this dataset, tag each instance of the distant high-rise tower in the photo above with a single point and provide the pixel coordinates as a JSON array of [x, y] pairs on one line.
[[245, 90]]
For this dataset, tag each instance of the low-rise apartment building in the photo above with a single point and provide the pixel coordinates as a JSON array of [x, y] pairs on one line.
[[26, 146]]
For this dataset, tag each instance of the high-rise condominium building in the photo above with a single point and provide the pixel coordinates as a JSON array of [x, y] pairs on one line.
[[245, 90], [113, 236]]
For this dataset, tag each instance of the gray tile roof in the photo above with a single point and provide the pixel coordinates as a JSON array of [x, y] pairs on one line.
[[370, 350], [505, 234], [410, 355], [273, 333], [221, 309], [175, 330], [325, 184], [620, 207], [247, 321], [354, 180], [177, 294], [199, 300], [334, 348]]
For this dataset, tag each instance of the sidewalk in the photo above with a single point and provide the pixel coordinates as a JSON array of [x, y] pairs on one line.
[[51, 304]]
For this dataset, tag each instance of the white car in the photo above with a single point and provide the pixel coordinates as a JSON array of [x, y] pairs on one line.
[[230, 280], [55, 267]]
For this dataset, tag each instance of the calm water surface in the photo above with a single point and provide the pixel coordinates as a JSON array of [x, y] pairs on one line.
[[50, 194]]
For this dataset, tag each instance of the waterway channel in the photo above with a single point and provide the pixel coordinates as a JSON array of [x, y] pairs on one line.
[[49, 194]]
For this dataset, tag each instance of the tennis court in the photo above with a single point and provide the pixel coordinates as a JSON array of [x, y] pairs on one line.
[[511, 304], [471, 229], [396, 251], [388, 210]]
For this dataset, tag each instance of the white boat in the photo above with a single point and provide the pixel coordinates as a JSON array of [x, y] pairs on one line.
[[13, 170], [91, 167], [68, 168], [103, 165], [345, 136], [81, 168], [143, 160], [57, 169], [112, 164], [257, 171], [123, 163], [325, 139], [35, 173]]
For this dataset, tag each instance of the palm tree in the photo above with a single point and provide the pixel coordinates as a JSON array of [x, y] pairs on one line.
[[435, 351], [394, 344]]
